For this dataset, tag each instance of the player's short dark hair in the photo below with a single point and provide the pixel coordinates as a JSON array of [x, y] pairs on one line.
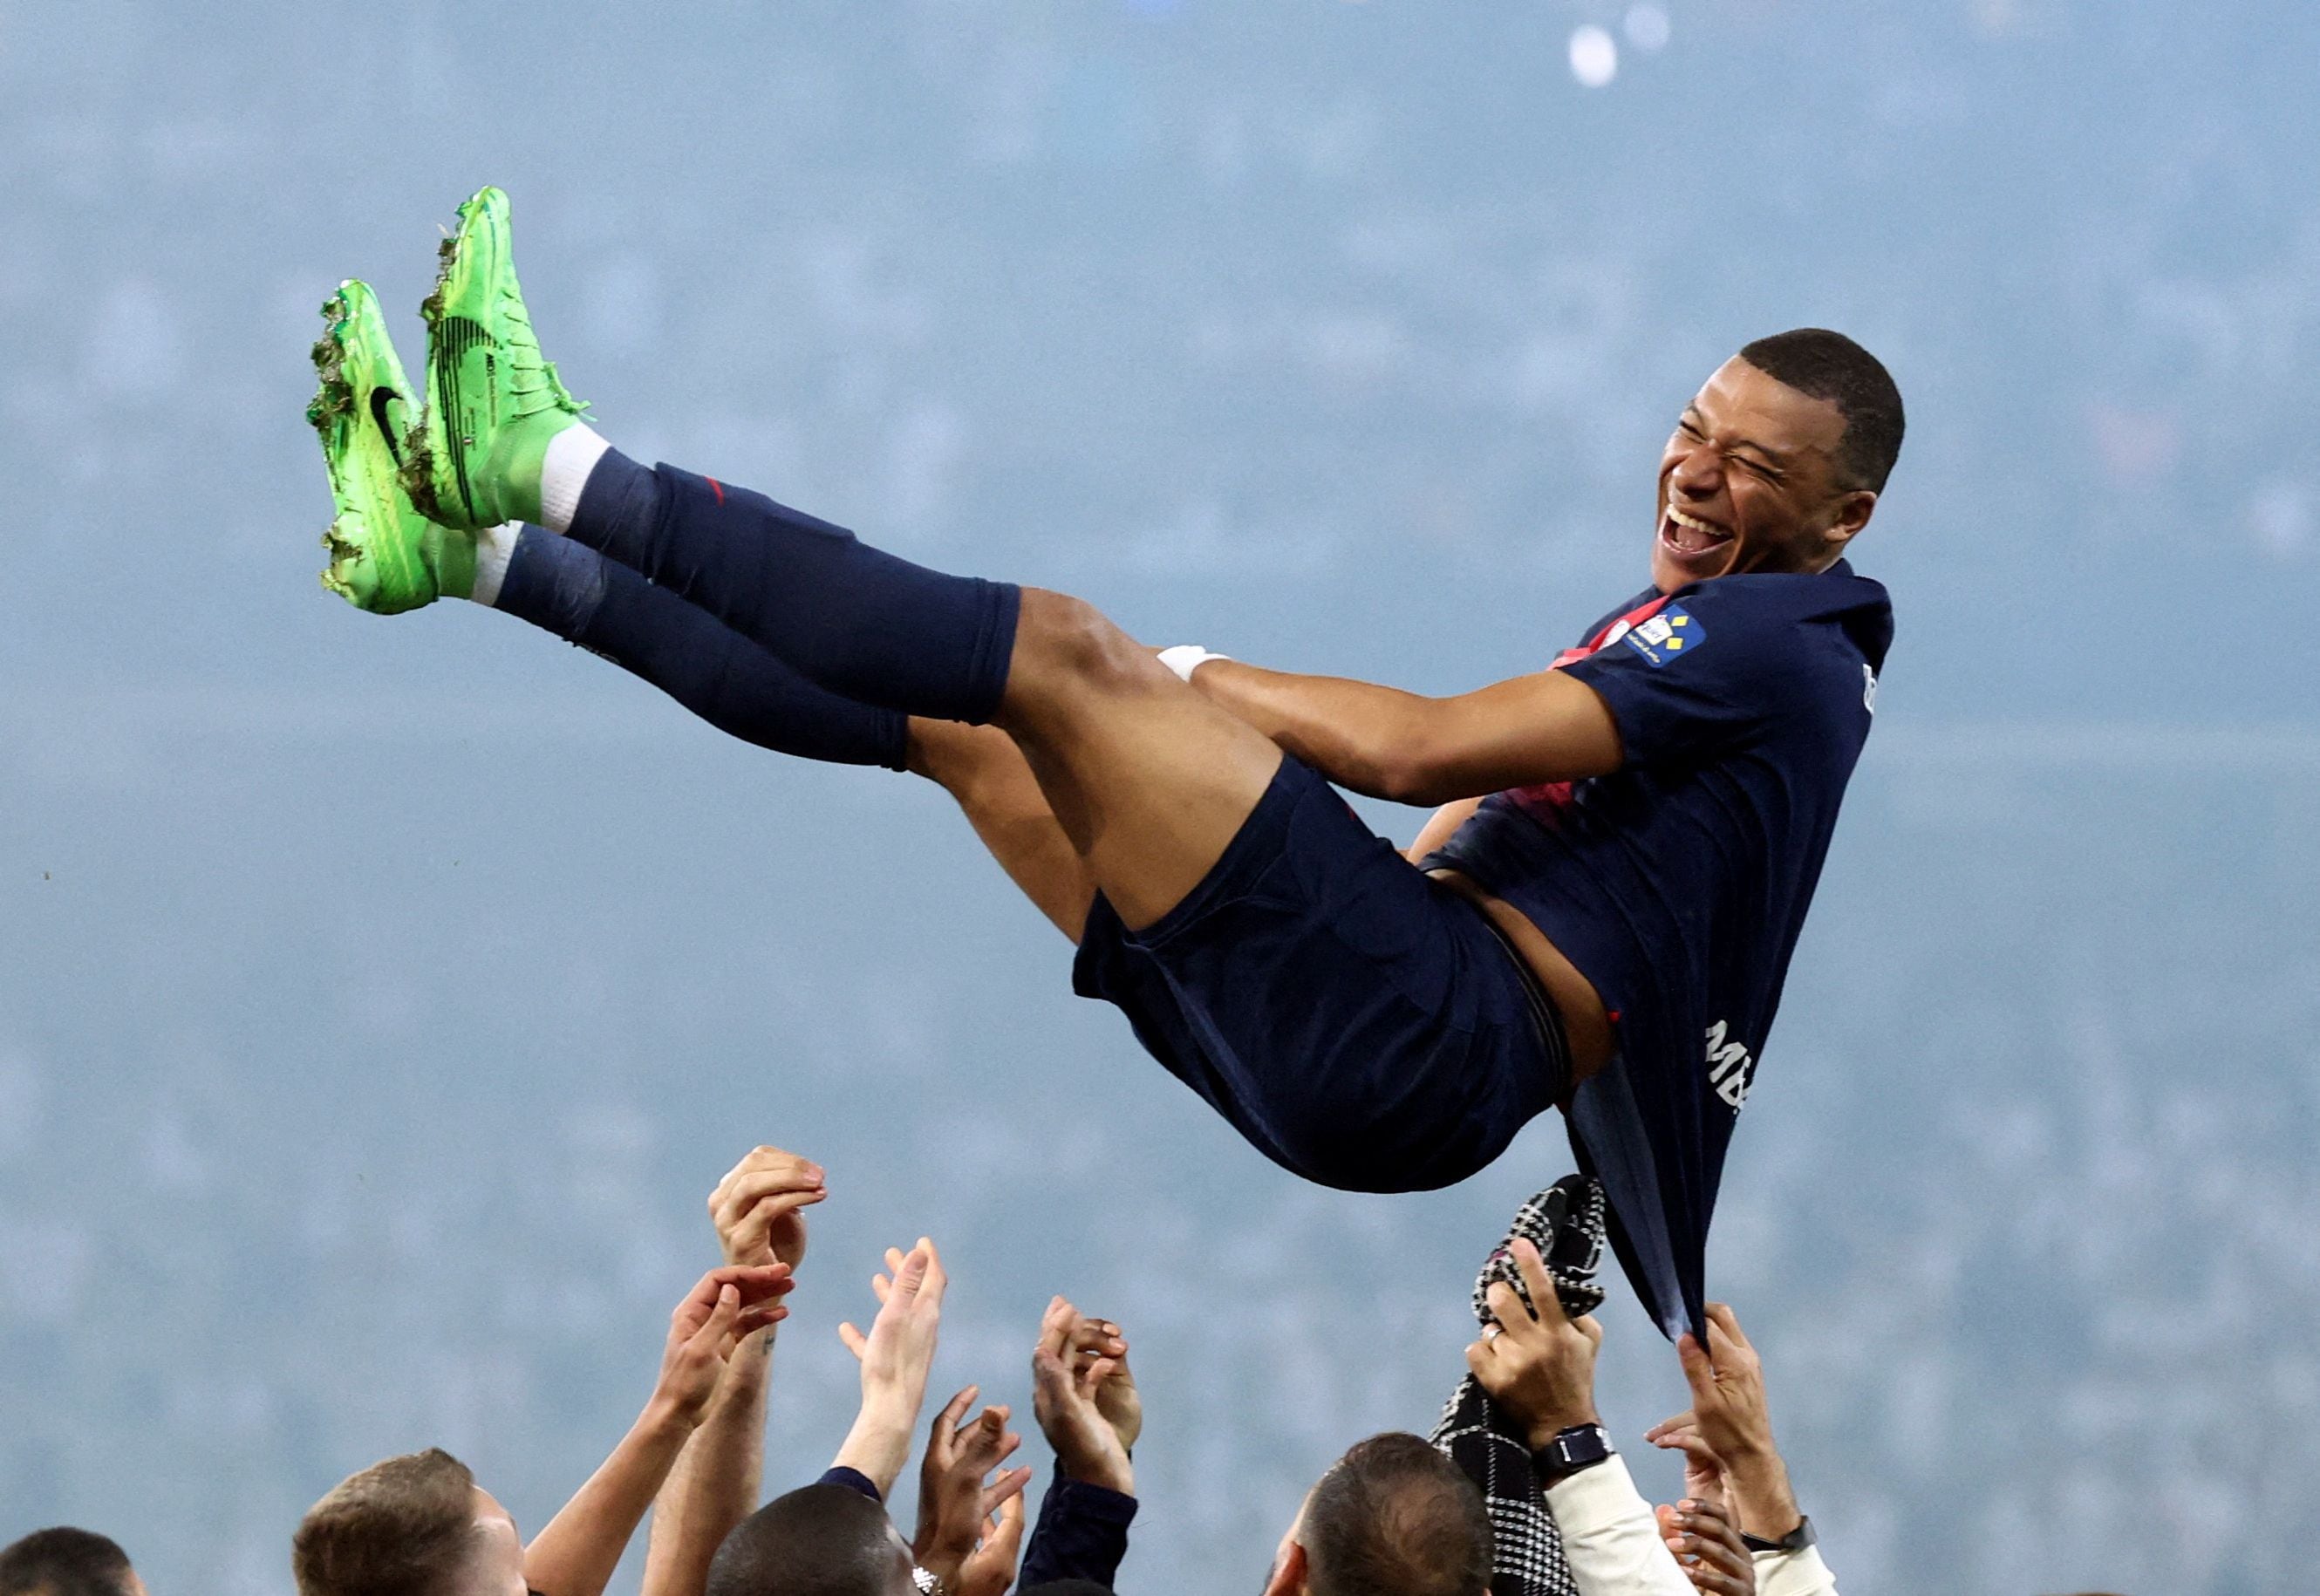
[[64, 1561], [1396, 1517], [823, 1540], [401, 1527], [1832, 367]]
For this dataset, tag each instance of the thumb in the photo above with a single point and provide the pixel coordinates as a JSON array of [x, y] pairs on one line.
[[719, 1328]]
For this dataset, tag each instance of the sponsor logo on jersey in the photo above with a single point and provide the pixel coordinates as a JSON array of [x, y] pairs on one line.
[[1671, 633]]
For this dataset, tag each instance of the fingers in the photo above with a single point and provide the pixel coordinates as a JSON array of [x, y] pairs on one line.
[[1058, 1327], [753, 1280], [758, 1316], [948, 1424], [1096, 1336], [1513, 1320], [1051, 1377], [1685, 1420], [991, 1422], [752, 1232], [1001, 1547], [717, 1332], [1704, 1578], [760, 1160], [740, 1192], [1695, 1449], [1720, 1317], [1005, 1489], [1708, 1546], [1699, 1371], [856, 1341], [986, 1443], [755, 1285], [915, 1274], [1544, 1304]]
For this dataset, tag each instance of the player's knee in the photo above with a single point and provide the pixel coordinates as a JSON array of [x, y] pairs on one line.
[[1070, 640]]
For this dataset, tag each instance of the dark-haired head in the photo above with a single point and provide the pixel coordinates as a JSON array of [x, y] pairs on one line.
[[1825, 364], [1777, 462], [67, 1561], [824, 1541], [1391, 1518]]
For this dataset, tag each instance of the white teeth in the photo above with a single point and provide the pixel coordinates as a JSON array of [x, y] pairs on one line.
[[1694, 522]]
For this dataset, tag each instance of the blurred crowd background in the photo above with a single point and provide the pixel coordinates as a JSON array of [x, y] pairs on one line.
[[379, 999]]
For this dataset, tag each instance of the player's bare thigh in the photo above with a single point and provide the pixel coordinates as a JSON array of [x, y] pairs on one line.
[[1148, 779]]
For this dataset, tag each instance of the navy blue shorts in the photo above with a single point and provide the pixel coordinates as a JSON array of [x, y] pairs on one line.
[[1359, 1022]]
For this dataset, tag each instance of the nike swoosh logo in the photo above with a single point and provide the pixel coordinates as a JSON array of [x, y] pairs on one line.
[[380, 398]]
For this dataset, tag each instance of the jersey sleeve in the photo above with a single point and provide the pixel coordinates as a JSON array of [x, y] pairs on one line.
[[1699, 677]]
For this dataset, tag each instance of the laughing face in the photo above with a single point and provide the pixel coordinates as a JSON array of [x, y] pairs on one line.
[[1750, 483]]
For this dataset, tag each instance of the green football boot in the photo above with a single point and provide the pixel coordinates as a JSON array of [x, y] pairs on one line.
[[473, 459], [385, 556]]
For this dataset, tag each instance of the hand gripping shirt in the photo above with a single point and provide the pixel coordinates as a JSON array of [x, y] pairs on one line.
[[1678, 883]]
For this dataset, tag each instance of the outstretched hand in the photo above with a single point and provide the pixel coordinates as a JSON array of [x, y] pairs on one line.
[[1085, 1398], [896, 1355], [958, 1494], [899, 1347], [1731, 1419], [1537, 1363], [725, 1306]]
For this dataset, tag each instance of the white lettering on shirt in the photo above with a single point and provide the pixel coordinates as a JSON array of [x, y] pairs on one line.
[[1729, 1067]]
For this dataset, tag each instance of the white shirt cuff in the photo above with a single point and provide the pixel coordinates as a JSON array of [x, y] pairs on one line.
[[1793, 1573], [1609, 1535]]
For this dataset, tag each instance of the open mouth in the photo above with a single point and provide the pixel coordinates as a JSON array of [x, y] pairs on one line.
[[1688, 538]]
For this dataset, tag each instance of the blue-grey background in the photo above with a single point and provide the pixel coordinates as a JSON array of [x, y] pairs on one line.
[[379, 999]]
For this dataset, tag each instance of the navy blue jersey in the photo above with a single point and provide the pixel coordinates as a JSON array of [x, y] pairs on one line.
[[1678, 883]]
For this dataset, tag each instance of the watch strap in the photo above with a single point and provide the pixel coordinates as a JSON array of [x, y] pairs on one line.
[[1575, 1447], [1796, 1540]]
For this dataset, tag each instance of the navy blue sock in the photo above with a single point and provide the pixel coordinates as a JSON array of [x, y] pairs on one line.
[[712, 670], [858, 621]]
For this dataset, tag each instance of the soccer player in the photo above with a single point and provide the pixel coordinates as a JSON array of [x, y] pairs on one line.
[[1600, 917]]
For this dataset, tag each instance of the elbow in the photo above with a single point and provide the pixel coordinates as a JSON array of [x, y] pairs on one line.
[[1413, 775]]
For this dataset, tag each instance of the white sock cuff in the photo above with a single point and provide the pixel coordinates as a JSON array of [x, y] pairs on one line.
[[1185, 658], [572, 455], [492, 546]]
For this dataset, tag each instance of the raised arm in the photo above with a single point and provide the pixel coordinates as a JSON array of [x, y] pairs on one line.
[[960, 1488], [1730, 1413], [1538, 1365], [1731, 1419], [896, 1357], [1089, 1408], [1546, 727], [576, 1554], [757, 1210]]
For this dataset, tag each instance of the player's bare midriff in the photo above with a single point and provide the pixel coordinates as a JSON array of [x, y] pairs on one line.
[[1584, 1023]]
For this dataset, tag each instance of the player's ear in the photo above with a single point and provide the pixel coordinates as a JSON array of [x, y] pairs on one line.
[[1288, 1572], [1852, 512]]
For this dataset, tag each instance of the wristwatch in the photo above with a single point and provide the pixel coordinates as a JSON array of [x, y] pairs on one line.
[[1579, 1447], [929, 1582], [1796, 1540]]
